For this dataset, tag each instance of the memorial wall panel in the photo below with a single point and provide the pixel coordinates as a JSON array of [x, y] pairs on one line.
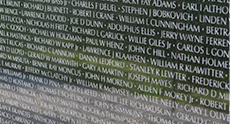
[[114, 62]]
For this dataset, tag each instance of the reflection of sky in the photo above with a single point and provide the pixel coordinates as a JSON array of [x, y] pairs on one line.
[[51, 101]]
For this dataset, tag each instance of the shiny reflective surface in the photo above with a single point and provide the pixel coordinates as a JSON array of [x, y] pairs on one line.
[[114, 61]]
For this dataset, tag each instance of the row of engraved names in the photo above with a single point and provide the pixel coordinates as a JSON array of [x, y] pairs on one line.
[[109, 48], [83, 16], [103, 103], [15, 54], [126, 85], [89, 31], [200, 49], [135, 52], [111, 7]]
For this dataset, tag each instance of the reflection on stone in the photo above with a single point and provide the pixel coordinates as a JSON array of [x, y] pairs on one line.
[[114, 62]]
